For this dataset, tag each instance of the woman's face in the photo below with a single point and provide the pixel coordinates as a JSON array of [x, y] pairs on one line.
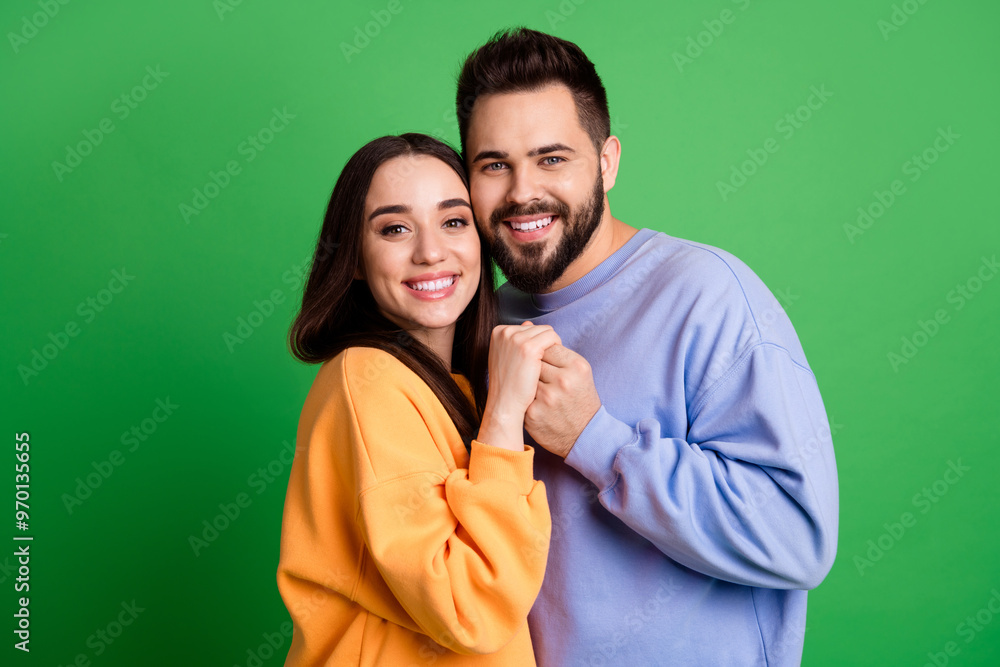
[[420, 248]]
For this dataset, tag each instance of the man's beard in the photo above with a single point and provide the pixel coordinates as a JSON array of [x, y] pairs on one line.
[[524, 268]]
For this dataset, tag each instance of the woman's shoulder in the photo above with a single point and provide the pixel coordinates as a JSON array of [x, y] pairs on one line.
[[362, 369], [370, 373]]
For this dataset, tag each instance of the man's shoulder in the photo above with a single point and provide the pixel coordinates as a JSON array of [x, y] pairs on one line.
[[692, 258], [665, 263]]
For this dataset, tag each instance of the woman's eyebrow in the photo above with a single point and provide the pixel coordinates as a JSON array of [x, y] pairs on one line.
[[452, 203], [391, 208]]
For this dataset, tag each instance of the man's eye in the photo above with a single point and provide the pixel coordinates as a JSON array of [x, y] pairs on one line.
[[392, 230], [552, 159], [494, 166]]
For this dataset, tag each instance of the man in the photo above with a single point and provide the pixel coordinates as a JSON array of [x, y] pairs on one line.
[[689, 464]]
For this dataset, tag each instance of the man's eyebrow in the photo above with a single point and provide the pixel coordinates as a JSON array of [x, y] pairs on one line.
[[492, 155], [551, 148], [452, 203], [542, 150], [392, 208]]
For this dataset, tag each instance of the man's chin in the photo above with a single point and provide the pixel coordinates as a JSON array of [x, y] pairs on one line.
[[531, 277]]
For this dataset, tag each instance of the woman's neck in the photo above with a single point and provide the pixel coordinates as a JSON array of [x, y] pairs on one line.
[[439, 341]]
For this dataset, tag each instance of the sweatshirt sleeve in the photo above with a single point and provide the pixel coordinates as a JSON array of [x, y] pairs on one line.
[[749, 496], [463, 550]]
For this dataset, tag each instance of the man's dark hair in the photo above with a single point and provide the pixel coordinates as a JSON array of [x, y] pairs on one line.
[[523, 60]]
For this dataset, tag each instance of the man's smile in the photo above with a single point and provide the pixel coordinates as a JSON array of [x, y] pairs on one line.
[[526, 228]]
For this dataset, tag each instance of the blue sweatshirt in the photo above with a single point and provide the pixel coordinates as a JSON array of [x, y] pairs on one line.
[[700, 502]]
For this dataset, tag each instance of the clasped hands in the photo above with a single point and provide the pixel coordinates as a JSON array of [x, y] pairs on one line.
[[537, 382]]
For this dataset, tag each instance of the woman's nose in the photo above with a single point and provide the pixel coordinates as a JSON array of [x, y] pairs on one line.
[[430, 248]]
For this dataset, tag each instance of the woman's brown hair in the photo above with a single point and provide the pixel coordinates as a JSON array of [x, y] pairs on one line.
[[339, 311]]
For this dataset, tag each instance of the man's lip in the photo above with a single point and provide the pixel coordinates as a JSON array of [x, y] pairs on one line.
[[437, 275], [529, 218], [519, 236]]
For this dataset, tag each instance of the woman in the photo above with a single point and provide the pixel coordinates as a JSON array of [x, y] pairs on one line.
[[413, 530]]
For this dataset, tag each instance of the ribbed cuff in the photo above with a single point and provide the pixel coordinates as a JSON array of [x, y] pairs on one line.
[[595, 450], [488, 462]]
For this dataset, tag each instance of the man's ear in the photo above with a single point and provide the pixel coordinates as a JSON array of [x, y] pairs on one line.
[[611, 153]]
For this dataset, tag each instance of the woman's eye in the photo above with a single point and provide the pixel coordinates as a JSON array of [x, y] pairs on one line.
[[392, 230], [455, 223]]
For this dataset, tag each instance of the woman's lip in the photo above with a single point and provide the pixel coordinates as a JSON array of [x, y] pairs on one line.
[[430, 276], [428, 295]]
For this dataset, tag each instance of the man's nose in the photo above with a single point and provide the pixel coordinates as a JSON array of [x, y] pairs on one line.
[[524, 187]]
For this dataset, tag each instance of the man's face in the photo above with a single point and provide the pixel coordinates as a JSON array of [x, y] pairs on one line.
[[535, 181]]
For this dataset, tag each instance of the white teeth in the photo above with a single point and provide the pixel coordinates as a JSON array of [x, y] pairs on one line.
[[433, 285], [534, 224]]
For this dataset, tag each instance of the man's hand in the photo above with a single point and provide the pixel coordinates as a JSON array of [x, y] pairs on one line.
[[565, 401]]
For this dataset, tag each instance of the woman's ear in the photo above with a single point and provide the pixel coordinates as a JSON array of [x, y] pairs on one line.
[[359, 273]]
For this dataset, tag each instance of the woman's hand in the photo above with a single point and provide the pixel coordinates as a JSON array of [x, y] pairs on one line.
[[514, 366]]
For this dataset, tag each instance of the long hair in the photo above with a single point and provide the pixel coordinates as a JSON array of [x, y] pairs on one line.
[[340, 312], [522, 60]]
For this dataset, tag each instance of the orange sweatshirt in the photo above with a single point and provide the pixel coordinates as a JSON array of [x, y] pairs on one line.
[[397, 546]]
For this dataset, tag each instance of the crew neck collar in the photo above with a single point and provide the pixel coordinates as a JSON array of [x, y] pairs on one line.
[[594, 278]]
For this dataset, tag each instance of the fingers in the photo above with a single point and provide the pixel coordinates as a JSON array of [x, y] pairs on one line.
[[560, 356], [521, 334], [561, 361]]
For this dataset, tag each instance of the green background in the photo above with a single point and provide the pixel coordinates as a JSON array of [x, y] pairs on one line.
[[684, 125]]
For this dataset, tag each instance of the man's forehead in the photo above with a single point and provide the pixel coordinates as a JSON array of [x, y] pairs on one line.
[[526, 120]]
